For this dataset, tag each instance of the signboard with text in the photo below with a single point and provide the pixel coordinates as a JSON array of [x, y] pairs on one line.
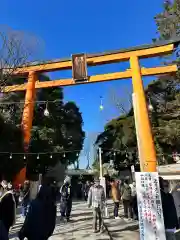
[[151, 221], [79, 67]]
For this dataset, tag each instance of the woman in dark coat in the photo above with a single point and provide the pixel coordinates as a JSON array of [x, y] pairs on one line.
[[168, 206], [7, 207], [41, 218]]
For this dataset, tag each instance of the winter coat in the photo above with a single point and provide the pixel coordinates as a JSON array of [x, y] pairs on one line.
[[96, 196], [66, 192], [86, 188], [169, 211], [176, 195], [8, 209], [133, 190], [115, 192], [126, 192], [41, 219]]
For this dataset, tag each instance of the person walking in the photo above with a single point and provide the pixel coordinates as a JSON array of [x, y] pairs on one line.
[[79, 190], [169, 210], [96, 200], [25, 198], [134, 200], [16, 195], [66, 199], [126, 199], [7, 207], [116, 197], [86, 190], [41, 218]]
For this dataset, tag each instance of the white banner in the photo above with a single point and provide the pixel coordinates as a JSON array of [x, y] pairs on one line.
[[151, 221]]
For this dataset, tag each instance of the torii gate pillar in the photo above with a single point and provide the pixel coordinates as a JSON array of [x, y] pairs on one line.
[[27, 119], [148, 152]]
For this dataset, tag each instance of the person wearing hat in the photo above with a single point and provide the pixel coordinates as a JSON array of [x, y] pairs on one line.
[[66, 199], [7, 206], [96, 200]]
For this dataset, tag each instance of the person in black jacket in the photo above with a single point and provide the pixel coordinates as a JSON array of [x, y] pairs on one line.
[[7, 206], [25, 198], [41, 217], [66, 199], [168, 207], [86, 190]]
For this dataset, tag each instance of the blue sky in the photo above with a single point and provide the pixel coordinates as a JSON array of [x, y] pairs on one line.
[[66, 27]]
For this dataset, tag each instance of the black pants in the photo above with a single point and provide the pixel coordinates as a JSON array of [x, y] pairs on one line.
[[116, 209], [97, 215], [65, 208], [135, 207], [85, 196], [127, 208]]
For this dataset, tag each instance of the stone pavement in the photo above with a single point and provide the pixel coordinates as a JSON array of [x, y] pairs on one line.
[[80, 226], [121, 228]]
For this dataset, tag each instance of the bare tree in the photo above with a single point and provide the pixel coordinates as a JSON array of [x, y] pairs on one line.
[[121, 103], [16, 50]]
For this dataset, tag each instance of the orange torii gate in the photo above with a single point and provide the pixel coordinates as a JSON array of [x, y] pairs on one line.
[[133, 55]]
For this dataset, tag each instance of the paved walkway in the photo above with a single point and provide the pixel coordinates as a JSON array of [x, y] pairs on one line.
[[121, 228], [80, 227]]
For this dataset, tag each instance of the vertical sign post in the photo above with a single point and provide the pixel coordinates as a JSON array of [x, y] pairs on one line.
[[151, 221], [100, 163], [102, 179]]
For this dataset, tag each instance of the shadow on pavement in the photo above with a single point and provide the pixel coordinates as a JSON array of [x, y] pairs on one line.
[[125, 232], [83, 213], [127, 228], [81, 218]]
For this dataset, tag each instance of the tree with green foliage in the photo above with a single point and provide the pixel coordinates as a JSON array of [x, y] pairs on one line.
[[60, 134], [168, 21], [118, 142], [11, 141], [165, 91]]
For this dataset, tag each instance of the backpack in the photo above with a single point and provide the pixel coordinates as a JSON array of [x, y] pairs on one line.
[[126, 193]]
